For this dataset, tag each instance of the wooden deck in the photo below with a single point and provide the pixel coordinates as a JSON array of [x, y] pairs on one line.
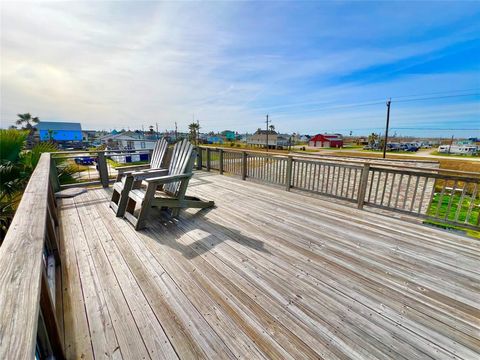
[[265, 274]]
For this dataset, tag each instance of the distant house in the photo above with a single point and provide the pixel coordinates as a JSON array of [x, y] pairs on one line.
[[326, 140], [458, 149], [215, 139], [275, 140], [229, 135], [59, 131], [128, 140]]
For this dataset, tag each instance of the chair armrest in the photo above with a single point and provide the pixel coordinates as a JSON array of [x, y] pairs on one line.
[[129, 168], [168, 178], [150, 173]]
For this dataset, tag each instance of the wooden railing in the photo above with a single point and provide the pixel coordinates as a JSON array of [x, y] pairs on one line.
[[440, 195], [98, 172], [30, 273]]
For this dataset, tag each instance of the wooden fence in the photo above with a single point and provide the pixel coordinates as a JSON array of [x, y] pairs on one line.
[[443, 196]]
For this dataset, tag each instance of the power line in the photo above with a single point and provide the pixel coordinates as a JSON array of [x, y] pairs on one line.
[[437, 97], [355, 105], [436, 93]]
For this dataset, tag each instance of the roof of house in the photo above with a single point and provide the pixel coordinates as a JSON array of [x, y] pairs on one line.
[[264, 132], [59, 125], [337, 137]]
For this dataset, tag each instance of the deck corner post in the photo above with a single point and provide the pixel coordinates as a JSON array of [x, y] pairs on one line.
[[199, 158], [208, 158], [288, 174], [220, 161], [362, 190], [102, 169], [54, 174], [244, 165]]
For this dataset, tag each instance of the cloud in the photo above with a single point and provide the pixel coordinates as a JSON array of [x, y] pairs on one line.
[[120, 64]]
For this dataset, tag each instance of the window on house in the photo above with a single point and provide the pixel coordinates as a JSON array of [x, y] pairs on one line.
[[142, 144]]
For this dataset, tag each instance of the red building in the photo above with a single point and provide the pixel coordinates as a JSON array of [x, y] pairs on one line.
[[326, 140]]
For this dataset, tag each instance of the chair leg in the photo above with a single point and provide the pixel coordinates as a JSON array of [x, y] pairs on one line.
[[122, 202]]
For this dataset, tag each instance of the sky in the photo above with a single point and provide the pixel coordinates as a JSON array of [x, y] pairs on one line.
[[312, 66]]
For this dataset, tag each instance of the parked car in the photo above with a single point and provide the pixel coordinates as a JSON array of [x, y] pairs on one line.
[[84, 160], [412, 148]]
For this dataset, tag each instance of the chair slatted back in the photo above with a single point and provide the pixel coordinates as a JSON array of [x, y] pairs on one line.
[[181, 163], [158, 154]]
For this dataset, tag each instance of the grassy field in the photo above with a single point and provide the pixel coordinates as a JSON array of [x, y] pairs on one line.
[[452, 163], [455, 155]]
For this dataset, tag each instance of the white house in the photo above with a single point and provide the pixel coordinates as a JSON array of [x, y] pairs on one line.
[[127, 140], [458, 149]]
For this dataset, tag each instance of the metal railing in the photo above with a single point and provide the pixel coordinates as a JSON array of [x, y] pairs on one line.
[[439, 195]]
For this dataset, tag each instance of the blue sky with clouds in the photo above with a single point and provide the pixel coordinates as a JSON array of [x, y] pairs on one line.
[[313, 66]]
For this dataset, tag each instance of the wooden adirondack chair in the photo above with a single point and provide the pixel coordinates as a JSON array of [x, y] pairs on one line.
[[130, 177], [172, 196]]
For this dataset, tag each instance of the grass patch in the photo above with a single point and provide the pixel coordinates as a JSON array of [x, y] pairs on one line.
[[466, 231], [116, 164], [455, 155], [441, 204]]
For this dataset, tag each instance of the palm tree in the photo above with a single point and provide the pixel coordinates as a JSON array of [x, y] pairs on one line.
[[272, 128], [194, 127], [27, 119]]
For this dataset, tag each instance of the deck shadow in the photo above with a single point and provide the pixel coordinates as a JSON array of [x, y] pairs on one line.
[[172, 230]]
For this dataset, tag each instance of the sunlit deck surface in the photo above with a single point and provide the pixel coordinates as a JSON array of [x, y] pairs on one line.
[[265, 274]]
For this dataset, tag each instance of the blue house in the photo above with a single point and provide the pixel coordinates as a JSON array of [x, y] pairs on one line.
[[59, 131], [215, 139]]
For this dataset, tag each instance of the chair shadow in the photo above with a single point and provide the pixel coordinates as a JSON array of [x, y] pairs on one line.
[[176, 228]]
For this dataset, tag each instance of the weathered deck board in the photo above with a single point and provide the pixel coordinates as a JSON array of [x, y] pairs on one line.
[[266, 274]]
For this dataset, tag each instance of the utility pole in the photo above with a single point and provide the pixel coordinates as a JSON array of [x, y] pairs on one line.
[[451, 143], [386, 128], [198, 132], [267, 121]]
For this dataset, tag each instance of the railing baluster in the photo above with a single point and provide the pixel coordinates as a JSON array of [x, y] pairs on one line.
[[391, 189], [371, 185], [473, 198], [406, 192], [440, 198], [384, 187], [420, 205], [415, 189], [452, 196], [398, 190], [460, 203]]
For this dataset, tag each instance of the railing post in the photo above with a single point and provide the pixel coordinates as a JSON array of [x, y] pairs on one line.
[[244, 165], [288, 175], [220, 161], [54, 174], [208, 159], [102, 169], [199, 158], [362, 190]]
